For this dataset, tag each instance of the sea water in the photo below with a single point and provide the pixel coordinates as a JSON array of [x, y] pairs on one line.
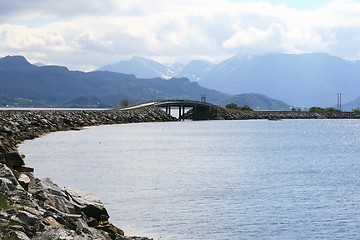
[[290, 179]]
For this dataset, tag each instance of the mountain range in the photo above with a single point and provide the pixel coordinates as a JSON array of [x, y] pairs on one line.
[[146, 68], [304, 80], [25, 84]]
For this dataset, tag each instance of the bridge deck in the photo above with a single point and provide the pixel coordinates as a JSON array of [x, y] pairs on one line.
[[185, 103], [169, 103], [201, 110]]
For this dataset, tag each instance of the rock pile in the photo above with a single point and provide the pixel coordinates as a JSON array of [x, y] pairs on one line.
[[226, 114], [31, 208]]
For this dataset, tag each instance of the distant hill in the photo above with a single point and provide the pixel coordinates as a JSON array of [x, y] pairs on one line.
[[255, 101], [60, 87], [15, 63], [303, 80], [355, 104], [6, 101]]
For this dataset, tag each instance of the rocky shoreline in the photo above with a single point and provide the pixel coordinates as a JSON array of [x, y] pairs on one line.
[[226, 114], [31, 208]]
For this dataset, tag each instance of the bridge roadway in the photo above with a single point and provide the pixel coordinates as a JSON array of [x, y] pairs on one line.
[[201, 110]]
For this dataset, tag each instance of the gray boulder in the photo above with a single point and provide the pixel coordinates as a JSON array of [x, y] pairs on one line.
[[49, 193], [7, 179], [89, 204]]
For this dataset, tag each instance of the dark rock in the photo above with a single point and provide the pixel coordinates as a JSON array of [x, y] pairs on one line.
[[92, 222], [24, 169], [17, 228], [31, 222], [33, 210], [14, 159], [83, 227], [28, 218], [11, 211], [40, 196], [2, 148], [2, 158], [5, 129], [64, 219], [18, 235]]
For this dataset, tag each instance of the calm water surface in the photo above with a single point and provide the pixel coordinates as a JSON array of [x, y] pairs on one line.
[[293, 179]]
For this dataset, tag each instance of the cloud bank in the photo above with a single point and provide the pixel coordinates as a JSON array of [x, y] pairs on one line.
[[87, 34]]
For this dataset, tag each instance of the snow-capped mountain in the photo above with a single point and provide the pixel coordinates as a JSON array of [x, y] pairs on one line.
[[298, 79], [144, 68], [196, 70]]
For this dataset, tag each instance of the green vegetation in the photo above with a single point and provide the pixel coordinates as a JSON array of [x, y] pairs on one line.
[[124, 103], [6, 101], [320, 109], [356, 110], [234, 106], [4, 205]]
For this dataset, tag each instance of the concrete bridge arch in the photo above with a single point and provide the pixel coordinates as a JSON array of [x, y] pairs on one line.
[[200, 110]]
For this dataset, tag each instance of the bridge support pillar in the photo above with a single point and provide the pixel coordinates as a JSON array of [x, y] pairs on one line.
[[181, 113], [183, 110], [201, 113]]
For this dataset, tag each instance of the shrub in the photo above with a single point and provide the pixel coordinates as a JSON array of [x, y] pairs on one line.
[[320, 109], [124, 103], [245, 108], [234, 106]]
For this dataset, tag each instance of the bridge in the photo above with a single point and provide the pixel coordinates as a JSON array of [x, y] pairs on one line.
[[200, 110]]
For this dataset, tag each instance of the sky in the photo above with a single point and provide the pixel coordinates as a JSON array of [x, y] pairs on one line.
[[85, 35]]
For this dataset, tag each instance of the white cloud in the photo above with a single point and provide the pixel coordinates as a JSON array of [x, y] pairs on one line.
[[256, 40], [89, 34]]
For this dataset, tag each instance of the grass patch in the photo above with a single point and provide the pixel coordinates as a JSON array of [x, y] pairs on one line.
[[4, 204]]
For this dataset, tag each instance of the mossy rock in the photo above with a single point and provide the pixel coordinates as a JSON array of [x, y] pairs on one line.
[[116, 230], [4, 203]]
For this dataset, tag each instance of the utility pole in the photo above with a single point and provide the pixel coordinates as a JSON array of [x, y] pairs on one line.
[[338, 101], [203, 98]]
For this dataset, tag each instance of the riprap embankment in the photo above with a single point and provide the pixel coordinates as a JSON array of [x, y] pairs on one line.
[[31, 208]]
